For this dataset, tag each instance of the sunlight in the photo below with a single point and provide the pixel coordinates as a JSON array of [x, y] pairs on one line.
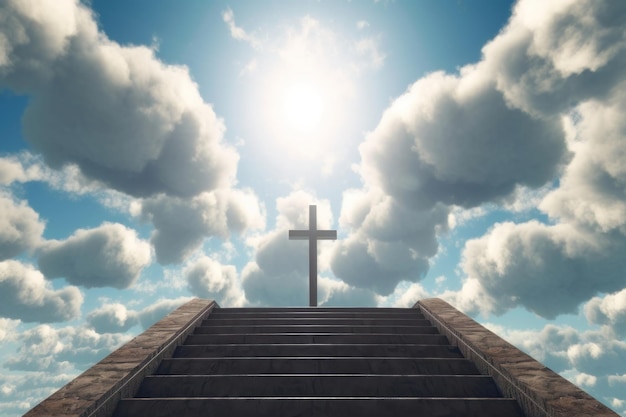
[[303, 106]]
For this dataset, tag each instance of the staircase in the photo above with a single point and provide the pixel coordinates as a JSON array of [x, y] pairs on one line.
[[317, 362]]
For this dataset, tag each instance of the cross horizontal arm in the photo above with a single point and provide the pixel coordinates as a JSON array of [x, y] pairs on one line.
[[299, 234], [326, 234], [318, 234]]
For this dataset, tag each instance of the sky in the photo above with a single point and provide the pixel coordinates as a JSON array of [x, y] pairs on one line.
[[151, 152]]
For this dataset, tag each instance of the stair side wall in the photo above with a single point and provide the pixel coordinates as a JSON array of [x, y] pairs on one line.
[[96, 392], [539, 391]]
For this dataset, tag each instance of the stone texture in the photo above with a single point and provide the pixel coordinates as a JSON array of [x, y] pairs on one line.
[[326, 362], [96, 392], [539, 391]]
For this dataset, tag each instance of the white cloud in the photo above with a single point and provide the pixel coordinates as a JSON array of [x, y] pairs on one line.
[[389, 242], [585, 380], [545, 100], [112, 318], [181, 225], [548, 269], [26, 295], [609, 310], [117, 318], [455, 140], [156, 311], [8, 329], [207, 278], [237, 32], [591, 359], [370, 49], [20, 227], [409, 296], [110, 255], [335, 293], [117, 112], [46, 348], [551, 56]]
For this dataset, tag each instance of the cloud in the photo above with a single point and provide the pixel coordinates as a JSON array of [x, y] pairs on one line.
[[455, 140], [388, 242], [582, 254], [550, 57], [237, 32], [591, 359], [547, 269], [118, 113], [20, 227], [539, 114], [181, 225], [46, 348], [278, 275], [8, 329], [110, 255], [117, 318], [609, 310], [207, 278], [156, 311], [112, 318], [27, 296], [335, 293], [370, 49]]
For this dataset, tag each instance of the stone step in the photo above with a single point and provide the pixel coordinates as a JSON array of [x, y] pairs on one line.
[[316, 407], [318, 350], [333, 310], [317, 338], [315, 385], [315, 328], [315, 314], [356, 365], [320, 321]]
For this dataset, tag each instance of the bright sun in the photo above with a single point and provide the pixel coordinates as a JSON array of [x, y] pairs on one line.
[[303, 106]]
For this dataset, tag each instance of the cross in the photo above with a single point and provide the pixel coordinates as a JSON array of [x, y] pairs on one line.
[[313, 235]]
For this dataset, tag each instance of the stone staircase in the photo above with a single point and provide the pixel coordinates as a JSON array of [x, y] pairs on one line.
[[317, 362]]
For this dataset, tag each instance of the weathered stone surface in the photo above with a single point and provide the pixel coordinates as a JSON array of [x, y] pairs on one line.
[[96, 391], [539, 391]]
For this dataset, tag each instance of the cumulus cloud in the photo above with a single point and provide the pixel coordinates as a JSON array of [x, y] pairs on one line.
[[207, 278], [46, 348], [549, 269], [278, 275], [336, 293], [110, 255], [543, 103], [27, 296], [389, 242], [117, 318], [455, 140], [609, 310], [8, 329], [591, 359], [181, 225], [20, 227], [582, 254], [112, 318], [117, 112]]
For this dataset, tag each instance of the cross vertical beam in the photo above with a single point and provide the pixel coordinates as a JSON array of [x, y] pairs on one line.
[[313, 235]]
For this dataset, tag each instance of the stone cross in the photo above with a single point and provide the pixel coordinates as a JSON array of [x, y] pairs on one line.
[[313, 235]]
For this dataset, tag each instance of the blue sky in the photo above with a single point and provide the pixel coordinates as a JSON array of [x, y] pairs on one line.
[[469, 150]]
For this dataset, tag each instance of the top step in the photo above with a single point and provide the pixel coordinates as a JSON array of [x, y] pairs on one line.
[[320, 309]]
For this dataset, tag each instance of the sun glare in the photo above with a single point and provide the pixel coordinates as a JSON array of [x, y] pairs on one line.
[[303, 106]]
